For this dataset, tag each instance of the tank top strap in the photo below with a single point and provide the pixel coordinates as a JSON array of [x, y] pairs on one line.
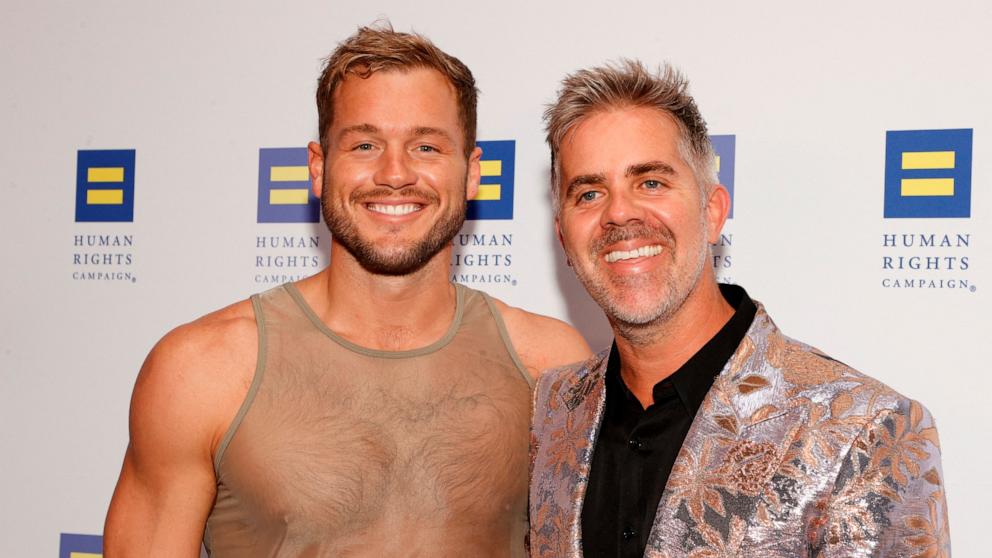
[[480, 311], [284, 308]]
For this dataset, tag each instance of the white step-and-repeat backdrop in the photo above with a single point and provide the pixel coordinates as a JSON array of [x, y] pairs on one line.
[[880, 259]]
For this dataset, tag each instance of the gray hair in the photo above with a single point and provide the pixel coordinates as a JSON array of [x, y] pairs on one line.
[[627, 83]]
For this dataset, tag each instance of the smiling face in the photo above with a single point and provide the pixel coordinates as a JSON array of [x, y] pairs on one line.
[[632, 221], [394, 181]]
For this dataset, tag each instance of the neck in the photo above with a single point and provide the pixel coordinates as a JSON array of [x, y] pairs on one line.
[[655, 351], [385, 312]]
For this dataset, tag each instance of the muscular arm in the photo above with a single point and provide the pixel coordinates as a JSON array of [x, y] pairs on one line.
[[542, 342], [184, 398]]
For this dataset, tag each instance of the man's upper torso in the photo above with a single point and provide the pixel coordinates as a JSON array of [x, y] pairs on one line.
[[343, 450], [791, 454], [636, 447]]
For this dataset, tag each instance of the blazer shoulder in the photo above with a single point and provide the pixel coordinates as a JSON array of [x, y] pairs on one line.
[[559, 382], [850, 391], [560, 377]]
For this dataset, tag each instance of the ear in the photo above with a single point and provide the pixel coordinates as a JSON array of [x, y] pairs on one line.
[[561, 240], [316, 163], [717, 208], [474, 174]]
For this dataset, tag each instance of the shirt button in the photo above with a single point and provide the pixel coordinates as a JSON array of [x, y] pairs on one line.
[[628, 534], [636, 444]]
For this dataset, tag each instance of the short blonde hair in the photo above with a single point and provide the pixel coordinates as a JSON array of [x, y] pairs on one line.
[[627, 83], [379, 47]]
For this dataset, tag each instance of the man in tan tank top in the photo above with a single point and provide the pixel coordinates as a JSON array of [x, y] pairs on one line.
[[374, 409]]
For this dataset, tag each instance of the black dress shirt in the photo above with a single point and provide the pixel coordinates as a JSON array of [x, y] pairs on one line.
[[636, 447]]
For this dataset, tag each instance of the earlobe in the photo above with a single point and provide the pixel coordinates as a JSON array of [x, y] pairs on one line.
[[717, 209], [315, 163]]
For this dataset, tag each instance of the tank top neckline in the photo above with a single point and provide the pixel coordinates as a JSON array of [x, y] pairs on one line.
[[301, 302]]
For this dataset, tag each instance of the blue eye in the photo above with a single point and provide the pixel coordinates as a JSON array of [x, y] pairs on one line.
[[426, 148], [652, 184], [588, 196]]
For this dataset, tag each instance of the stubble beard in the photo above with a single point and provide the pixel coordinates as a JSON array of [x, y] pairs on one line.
[[394, 260], [633, 304]]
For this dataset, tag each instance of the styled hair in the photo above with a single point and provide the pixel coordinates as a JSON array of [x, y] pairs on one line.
[[379, 48], [628, 84]]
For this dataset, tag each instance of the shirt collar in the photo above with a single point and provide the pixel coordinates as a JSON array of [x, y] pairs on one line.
[[694, 378]]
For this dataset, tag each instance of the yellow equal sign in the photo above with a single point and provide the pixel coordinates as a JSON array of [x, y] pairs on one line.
[[914, 160], [105, 174], [717, 163], [489, 192], [927, 187], [927, 160], [85, 555], [289, 196]]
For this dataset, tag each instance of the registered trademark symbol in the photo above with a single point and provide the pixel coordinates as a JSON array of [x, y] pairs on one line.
[[134, 279], [514, 283], [972, 288]]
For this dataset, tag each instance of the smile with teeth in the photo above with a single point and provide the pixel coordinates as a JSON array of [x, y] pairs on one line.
[[642, 252], [389, 209]]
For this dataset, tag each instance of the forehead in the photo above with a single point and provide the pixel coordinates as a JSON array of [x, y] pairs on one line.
[[613, 139], [396, 99]]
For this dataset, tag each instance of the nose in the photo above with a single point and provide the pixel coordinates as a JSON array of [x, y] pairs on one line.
[[394, 169], [620, 209]]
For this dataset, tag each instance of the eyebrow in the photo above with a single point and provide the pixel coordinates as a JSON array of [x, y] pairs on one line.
[[638, 169], [430, 131], [358, 129]]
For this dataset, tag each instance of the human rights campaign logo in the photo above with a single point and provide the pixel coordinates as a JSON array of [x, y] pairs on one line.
[[284, 194], [105, 185], [80, 546], [495, 197], [725, 148], [928, 173]]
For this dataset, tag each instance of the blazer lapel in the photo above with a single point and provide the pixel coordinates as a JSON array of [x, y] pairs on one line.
[[561, 476], [585, 400], [738, 440]]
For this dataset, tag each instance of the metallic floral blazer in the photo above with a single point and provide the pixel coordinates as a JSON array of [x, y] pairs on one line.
[[791, 454]]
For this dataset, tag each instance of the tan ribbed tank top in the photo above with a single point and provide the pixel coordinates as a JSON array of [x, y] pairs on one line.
[[340, 450]]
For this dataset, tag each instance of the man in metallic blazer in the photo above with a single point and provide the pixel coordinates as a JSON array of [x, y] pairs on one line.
[[703, 431]]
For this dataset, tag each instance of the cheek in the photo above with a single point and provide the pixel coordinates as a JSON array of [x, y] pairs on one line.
[[345, 172], [441, 175], [577, 234], [685, 220]]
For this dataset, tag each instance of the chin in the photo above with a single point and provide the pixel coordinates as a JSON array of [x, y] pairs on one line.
[[638, 316], [635, 308]]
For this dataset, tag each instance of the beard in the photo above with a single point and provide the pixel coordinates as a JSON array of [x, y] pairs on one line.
[[391, 260], [635, 301]]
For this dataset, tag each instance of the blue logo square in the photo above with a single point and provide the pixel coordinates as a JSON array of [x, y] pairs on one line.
[[284, 194], [495, 197], [105, 185], [726, 152], [928, 173], [80, 546]]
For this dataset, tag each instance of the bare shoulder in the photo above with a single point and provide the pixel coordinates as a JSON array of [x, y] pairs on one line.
[[196, 376], [542, 342], [186, 394]]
